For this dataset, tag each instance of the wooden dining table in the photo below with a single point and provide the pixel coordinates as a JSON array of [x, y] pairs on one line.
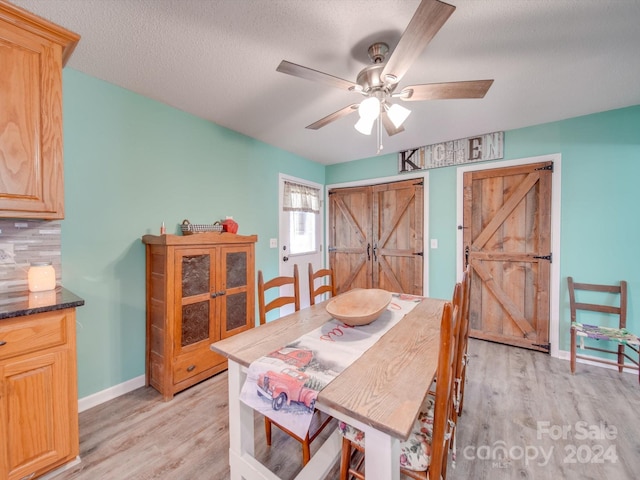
[[380, 393]]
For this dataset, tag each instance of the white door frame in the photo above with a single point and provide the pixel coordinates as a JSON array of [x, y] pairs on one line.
[[554, 286], [422, 174], [318, 260]]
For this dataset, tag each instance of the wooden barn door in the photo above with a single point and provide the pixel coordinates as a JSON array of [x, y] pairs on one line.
[[397, 261], [376, 236], [350, 237], [507, 239]]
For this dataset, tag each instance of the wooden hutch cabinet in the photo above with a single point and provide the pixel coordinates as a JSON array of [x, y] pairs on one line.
[[200, 289], [32, 54]]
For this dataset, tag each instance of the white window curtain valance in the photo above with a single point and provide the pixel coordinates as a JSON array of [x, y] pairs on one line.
[[300, 198]]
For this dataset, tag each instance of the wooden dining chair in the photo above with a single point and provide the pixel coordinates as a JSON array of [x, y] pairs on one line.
[[608, 323], [432, 429], [327, 284], [279, 301], [320, 420], [462, 346]]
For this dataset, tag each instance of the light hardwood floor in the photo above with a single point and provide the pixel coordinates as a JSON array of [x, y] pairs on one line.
[[524, 403]]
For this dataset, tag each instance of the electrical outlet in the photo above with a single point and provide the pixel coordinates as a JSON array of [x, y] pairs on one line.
[[6, 253]]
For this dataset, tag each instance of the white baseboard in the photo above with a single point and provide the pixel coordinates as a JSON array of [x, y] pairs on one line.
[[566, 355], [94, 399], [54, 473]]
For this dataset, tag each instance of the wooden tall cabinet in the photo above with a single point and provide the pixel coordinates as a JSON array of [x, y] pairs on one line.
[[38, 393], [200, 289], [32, 54]]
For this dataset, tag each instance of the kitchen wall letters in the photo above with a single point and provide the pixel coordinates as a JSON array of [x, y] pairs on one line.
[[455, 152]]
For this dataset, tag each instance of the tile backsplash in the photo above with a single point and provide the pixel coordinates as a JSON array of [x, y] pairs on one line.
[[23, 242]]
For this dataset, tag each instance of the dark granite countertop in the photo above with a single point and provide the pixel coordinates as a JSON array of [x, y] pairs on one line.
[[17, 304]]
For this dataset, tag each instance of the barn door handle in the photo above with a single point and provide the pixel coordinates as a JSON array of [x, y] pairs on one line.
[[466, 256], [375, 256], [368, 251]]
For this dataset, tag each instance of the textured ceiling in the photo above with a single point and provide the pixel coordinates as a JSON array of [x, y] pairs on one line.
[[217, 59]]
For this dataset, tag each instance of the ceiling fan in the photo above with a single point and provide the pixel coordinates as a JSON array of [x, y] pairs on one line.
[[378, 82]]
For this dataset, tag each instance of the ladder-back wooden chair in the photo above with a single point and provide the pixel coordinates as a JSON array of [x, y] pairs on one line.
[[613, 310], [433, 425], [320, 420], [462, 355], [327, 284], [277, 282]]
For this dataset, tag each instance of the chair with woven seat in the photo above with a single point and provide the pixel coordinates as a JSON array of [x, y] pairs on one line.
[[615, 309], [327, 285], [432, 426], [320, 420]]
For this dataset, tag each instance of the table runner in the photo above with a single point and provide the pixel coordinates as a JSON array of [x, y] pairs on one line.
[[284, 384]]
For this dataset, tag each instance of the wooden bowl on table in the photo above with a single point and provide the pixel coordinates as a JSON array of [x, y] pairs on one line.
[[360, 306]]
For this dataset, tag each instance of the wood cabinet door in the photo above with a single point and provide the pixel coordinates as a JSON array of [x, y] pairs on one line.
[[195, 325], [507, 238], [31, 177], [236, 277], [34, 413], [376, 237]]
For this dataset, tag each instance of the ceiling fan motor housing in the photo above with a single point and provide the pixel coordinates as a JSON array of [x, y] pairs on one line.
[[370, 81]]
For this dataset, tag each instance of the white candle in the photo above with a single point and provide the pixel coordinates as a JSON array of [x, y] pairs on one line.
[[41, 276]]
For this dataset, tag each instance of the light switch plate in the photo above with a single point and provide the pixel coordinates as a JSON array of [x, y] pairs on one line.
[[434, 243], [273, 243]]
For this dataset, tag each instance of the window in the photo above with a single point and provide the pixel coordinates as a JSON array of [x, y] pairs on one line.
[[302, 232], [303, 204]]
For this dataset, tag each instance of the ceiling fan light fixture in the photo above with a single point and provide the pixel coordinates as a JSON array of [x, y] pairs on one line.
[[397, 114], [369, 109], [365, 125]]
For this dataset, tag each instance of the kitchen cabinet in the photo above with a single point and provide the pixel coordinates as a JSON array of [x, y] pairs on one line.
[[32, 54], [38, 393], [199, 289]]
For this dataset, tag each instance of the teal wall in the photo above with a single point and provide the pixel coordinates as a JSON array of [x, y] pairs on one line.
[[600, 195], [132, 163]]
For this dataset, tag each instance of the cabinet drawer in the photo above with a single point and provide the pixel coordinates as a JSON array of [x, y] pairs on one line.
[[193, 363], [29, 334]]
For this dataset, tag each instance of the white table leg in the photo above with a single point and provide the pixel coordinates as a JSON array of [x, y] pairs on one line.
[[241, 427], [382, 455]]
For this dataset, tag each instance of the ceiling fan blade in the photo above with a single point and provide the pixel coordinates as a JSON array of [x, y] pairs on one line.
[[333, 116], [430, 16], [389, 126], [314, 75], [444, 91]]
